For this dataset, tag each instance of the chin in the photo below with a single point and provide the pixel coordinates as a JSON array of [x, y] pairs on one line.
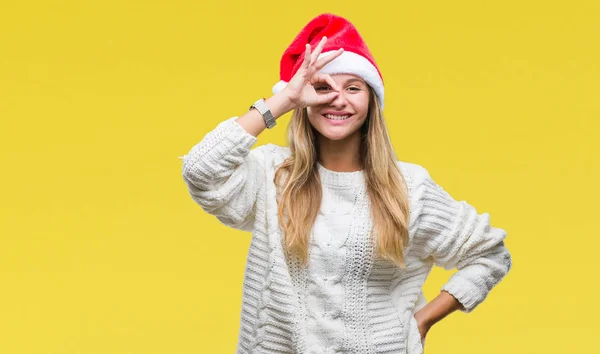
[[336, 132], [335, 135]]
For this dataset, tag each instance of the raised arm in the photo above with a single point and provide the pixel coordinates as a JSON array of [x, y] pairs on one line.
[[223, 174]]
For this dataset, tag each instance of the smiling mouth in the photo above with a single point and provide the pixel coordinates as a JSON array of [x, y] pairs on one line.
[[335, 117]]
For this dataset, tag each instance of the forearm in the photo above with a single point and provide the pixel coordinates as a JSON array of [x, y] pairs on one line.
[[253, 122], [455, 235], [438, 308]]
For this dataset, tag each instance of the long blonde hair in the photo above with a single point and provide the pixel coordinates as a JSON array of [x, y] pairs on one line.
[[300, 200]]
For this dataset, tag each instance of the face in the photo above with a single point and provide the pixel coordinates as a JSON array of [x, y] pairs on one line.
[[342, 117]]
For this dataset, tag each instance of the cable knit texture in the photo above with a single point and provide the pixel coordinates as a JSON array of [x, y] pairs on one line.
[[345, 299]]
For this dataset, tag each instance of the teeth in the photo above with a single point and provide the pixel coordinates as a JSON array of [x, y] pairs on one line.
[[331, 116]]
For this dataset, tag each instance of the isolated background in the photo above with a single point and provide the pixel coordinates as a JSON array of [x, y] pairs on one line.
[[103, 250]]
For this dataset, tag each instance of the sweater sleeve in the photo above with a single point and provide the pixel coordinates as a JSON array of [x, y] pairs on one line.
[[224, 175], [455, 235]]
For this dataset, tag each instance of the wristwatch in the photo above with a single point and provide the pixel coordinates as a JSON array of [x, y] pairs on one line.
[[264, 110]]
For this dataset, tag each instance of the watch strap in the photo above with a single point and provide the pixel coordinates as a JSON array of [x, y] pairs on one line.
[[263, 108]]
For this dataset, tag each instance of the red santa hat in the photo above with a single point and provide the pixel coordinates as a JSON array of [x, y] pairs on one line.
[[356, 58]]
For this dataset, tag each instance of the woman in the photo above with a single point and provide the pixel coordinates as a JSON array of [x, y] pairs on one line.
[[343, 234]]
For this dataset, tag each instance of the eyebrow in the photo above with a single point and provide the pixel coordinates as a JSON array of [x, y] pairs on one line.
[[354, 79]]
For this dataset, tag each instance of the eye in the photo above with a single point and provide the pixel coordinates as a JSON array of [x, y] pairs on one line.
[[320, 88], [355, 88]]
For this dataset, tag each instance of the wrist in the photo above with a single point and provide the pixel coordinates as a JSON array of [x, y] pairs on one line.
[[425, 317], [279, 104]]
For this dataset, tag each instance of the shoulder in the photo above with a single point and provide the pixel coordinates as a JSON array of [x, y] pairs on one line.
[[278, 152], [273, 153], [272, 149], [414, 174]]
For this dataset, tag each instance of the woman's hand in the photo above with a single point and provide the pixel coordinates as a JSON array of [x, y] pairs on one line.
[[300, 90], [423, 323]]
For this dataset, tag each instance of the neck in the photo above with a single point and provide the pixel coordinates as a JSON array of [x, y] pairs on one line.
[[340, 155]]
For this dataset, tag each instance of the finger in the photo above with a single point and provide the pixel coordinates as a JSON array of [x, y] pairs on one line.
[[319, 77], [322, 99], [325, 60], [331, 82], [317, 51], [307, 59]]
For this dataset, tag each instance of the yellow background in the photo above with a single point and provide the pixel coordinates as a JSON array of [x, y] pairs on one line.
[[103, 251]]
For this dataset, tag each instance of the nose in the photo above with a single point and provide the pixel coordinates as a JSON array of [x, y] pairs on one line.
[[340, 100]]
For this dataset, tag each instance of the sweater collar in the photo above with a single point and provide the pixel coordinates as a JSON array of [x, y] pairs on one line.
[[340, 179]]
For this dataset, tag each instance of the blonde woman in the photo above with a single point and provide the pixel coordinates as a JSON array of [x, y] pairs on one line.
[[343, 234]]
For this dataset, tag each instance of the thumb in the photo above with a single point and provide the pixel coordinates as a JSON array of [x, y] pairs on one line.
[[327, 98]]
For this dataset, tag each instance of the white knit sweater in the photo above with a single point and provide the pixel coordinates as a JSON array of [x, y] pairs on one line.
[[345, 300]]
